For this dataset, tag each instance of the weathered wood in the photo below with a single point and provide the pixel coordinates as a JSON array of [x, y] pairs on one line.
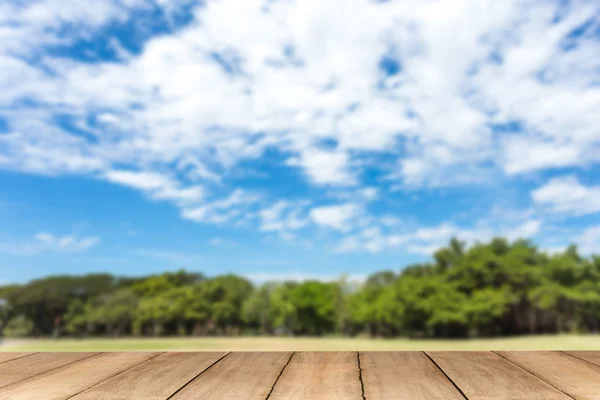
[[589, 356], [4, 357], [71, 379], [247, 376], [404, 375], [27, 367], [322, 375], [571, 375], [305, 376], [485, 376], [156, 379]]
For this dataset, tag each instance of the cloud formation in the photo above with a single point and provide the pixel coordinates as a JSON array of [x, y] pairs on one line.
[[418, 95], [47, 242], [567, 195]]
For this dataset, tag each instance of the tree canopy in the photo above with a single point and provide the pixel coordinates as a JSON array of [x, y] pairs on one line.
[[488, 289]]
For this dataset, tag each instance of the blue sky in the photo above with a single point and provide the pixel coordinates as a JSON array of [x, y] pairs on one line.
[[286, 139]]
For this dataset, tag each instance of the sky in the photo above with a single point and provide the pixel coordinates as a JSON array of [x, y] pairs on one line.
[[282, 139]]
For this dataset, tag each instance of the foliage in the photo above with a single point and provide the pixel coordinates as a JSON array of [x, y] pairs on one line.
[[18, 326], [490, 289]]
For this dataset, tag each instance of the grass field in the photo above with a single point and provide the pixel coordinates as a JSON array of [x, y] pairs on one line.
[[560, 342]]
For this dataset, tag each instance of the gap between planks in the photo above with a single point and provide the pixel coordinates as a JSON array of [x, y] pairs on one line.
[[446, 375], [197, 376], [277, 380], [279, 376], [532, 374], [360, 377], [17, 357], [112, 376], [46, 370]]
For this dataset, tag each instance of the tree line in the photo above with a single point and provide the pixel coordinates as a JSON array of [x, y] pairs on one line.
[[497, 288]]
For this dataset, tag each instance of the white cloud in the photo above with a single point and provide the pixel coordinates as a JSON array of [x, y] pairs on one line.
[[566, 195], [338, 217], [426, 240], [234, 207], [261, 277], [446, 81], [158, 186], [66, 243], [589, 241], [526, 230], [325, 167], [138, 180], [523, 154], [47, 242], [303, 79], [283, 218], [369, 193], [372, 240], [553, 250]]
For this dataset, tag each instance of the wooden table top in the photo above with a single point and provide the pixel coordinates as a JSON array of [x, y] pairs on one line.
[[302, 375]]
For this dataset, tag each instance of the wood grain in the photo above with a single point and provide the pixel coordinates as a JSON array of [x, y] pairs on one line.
[[485, 376], [589, 356], [247, 376], [4, 357], [67, 381], [404, 375], [573, 376], [320, 375], [156, 379], [306, 376], [26, 367]]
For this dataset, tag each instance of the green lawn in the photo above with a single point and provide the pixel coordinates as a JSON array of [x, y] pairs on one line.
[[560, 342]]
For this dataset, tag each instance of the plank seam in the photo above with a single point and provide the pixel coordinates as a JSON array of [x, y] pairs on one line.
[[447, 377], [360, 377], [579, 358], [112, 376], [194, 378], [18, 358], [279, 376], [50, 370], [531, 373]]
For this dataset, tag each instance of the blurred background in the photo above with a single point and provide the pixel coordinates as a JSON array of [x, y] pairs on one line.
[[299, 174], [488, 291]]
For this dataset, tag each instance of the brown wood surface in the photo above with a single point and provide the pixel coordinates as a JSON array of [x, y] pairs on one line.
[[320, 375], [487, 376], [156, 379], [589, 356], [247, 376], [577, 378], [67, 381], [305, 376], [27, 367], [404, 375], [4, 357]]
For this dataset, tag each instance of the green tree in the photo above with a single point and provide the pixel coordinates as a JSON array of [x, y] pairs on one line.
[[225, 296], [315, 307], [257, 311]]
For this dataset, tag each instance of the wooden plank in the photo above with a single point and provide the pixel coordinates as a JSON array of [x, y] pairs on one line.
[[589, 356], [248, 376], [486, 376], [156, 379], [404, 375], [577, 378], [4, 357], [27, 367], [320, 375], [67, 381]]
